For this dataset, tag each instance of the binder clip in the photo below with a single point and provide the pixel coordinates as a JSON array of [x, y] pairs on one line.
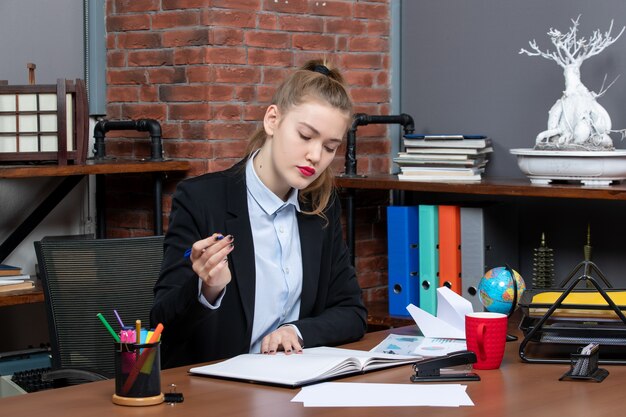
[[429, 370], [174, 397], [584, 365]]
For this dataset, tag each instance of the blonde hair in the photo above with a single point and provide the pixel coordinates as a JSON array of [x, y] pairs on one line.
[[313, 80]]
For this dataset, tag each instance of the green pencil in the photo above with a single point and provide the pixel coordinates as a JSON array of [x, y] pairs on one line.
[[108, 326]]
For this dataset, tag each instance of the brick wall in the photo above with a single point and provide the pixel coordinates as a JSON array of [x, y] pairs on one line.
[[206, 70]]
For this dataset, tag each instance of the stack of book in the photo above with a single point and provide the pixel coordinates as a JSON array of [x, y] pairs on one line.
[[12, 279], [443, 157]]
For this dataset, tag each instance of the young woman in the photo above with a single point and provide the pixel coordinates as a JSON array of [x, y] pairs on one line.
[[274, 272]]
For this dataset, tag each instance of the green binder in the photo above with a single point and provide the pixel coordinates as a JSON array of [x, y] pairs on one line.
[[428, 257]]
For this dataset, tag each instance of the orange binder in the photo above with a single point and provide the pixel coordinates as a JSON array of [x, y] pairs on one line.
[[450, 247]]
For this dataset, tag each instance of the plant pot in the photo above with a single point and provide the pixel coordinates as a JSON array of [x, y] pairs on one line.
[[590, 168]]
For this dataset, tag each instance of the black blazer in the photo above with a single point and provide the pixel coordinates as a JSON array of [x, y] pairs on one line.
[[331, 310]]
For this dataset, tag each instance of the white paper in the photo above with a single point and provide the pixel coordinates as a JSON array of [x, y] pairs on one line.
[[419, 346], [21, 277], [347, 394], [398, 344], [10, 281], [312, 365], [450, 320], [438, 346]]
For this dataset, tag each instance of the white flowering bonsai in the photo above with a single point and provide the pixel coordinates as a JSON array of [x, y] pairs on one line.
[[576, 121]]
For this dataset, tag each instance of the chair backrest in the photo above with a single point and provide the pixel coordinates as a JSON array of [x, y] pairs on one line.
[[84, 277]]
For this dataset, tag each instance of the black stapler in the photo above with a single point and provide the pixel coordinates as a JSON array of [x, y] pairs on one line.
[[429, 370]]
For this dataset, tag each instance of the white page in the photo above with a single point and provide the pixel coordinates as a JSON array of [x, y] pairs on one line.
[[295, 369], [344, 394], [279, 368], [437, 346], [398, 344], [10, 281], [364, 356], [353, 353], [21, 277], [419, 346]]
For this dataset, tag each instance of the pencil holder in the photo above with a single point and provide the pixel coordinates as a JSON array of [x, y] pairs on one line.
[[137, 374], [585, 367]]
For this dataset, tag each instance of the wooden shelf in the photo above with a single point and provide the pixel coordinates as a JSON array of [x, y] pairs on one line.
[[33, 295], [92, 167], [378, 316], [488, 186]]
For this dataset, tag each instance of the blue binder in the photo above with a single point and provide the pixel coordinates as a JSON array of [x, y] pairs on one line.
[[403, 258], [429, 257]]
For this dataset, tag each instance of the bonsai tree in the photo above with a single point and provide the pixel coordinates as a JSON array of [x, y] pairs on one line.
[[576, 121]]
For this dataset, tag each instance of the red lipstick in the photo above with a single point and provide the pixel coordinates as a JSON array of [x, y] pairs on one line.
[[306, 171]]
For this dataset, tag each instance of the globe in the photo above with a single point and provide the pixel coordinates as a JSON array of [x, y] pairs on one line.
[[496, 291]]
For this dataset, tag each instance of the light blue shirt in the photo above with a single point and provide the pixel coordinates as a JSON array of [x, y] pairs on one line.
[[277, 258]]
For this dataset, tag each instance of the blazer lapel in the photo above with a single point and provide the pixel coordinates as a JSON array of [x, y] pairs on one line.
[[311, 246], [242, 258]]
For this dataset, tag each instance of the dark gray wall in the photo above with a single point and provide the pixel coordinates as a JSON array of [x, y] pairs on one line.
[[46, 32], [461, 70]]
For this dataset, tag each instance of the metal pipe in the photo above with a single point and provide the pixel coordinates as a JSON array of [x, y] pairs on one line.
[[142, 125], [362, 119]]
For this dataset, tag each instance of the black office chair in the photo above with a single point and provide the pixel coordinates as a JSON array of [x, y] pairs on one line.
[[84, 277]]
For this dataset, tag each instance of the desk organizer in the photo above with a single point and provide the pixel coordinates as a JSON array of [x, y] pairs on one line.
[[556, 321], [137, 374], [585, 367]]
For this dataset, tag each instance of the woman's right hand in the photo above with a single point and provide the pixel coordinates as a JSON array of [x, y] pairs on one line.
[[209, 261]]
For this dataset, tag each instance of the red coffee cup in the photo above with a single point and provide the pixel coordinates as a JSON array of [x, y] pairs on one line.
[[485, 335]]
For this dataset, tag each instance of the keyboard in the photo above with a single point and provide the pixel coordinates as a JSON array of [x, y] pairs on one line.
[[30, 381]]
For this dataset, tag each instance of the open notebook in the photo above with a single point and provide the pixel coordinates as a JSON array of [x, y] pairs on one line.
[[313, 365]]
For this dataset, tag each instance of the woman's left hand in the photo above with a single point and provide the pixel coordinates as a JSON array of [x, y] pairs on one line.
[[284, 338]]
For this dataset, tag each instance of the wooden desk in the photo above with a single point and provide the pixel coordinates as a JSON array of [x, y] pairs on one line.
[[514, 390]]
